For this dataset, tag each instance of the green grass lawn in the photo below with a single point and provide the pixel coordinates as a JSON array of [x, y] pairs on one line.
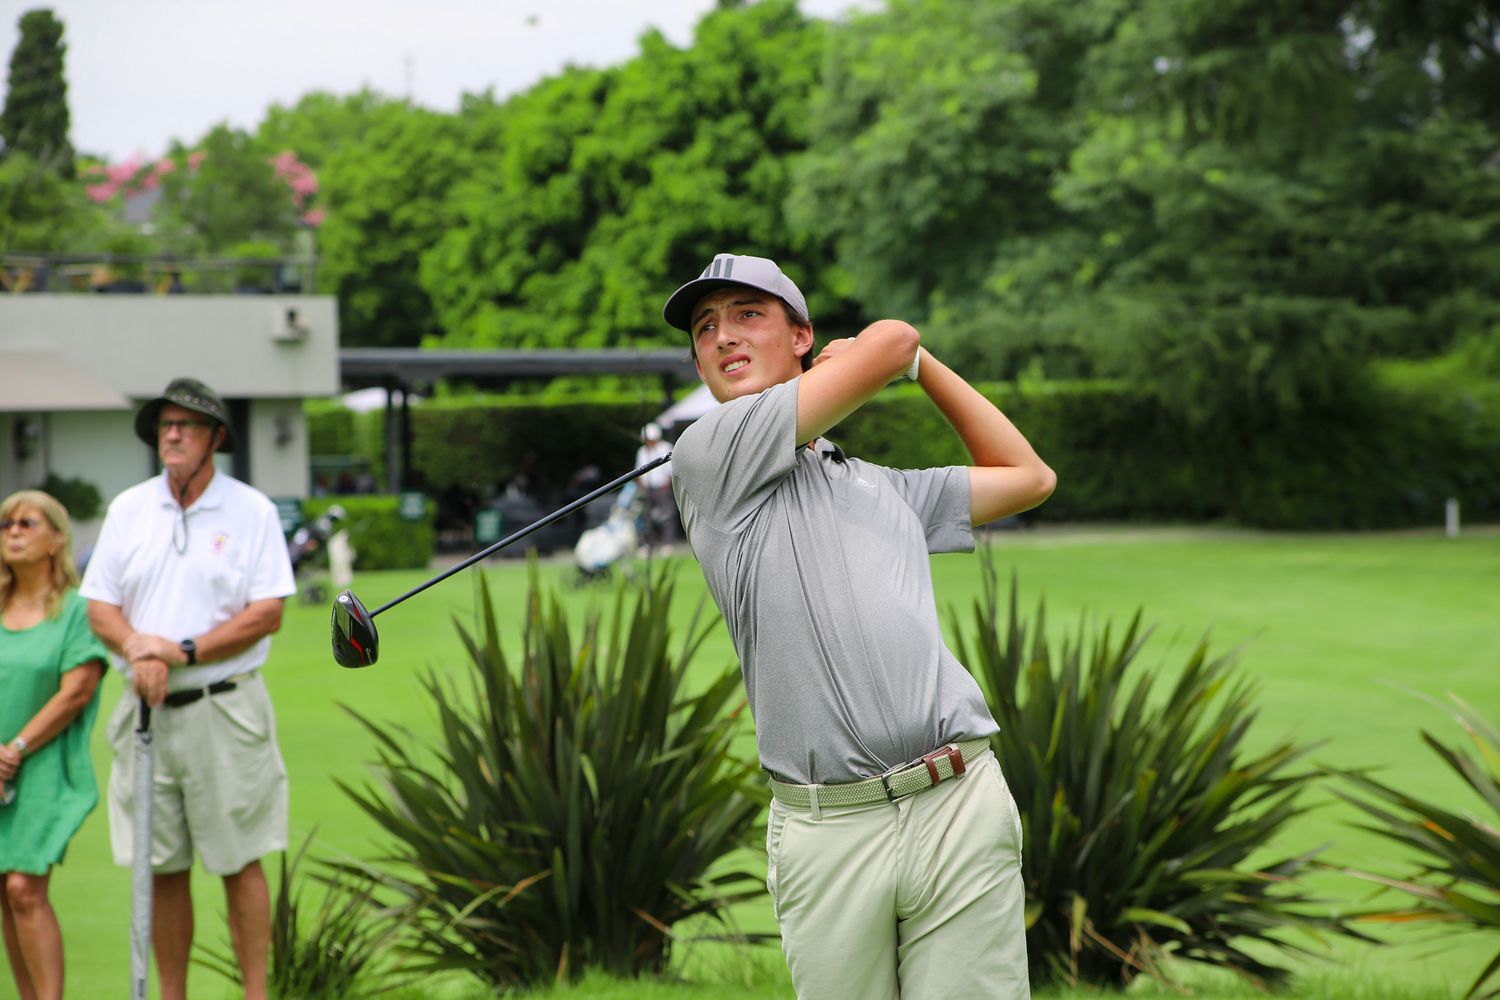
[[1343, 633]]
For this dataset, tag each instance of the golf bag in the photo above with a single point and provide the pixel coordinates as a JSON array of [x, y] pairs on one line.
[[307, 548], [601, 547]]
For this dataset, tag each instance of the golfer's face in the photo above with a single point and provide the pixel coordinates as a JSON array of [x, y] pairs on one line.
[[743, 342], [183, 438]]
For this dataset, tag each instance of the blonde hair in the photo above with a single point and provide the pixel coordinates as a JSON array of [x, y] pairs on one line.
[[64, 572]]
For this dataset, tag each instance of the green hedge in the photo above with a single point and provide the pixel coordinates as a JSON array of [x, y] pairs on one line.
[[334, 430], [382, 539], [1387, 453], [480, 445], [1115, 456]]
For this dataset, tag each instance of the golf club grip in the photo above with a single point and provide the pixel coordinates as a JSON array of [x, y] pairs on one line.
[[561, 512]]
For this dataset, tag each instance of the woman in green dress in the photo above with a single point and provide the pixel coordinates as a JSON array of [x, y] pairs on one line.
[[50, 666]]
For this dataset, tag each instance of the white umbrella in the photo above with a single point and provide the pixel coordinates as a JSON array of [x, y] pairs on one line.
[[140, 861], [689, 408]]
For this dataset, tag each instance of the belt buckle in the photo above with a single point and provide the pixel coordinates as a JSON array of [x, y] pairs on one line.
[[929, 760], [885, 782]]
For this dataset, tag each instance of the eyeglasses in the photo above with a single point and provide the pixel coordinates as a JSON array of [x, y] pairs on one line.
[[164, 426], [24, 523]]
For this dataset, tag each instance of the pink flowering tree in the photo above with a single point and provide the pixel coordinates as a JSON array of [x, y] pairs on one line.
[[224, 193], [303, 183]]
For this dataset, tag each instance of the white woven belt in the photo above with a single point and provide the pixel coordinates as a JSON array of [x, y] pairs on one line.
[[905, 779]]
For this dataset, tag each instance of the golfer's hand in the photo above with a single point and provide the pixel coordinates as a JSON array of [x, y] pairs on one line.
[[833, 349], [10, 762], [141, 646], [149, 675]]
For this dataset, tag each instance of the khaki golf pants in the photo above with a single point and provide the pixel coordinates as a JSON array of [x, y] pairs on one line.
[[919, 899]]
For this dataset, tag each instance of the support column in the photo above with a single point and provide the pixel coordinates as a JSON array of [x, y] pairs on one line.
[[393, 452]]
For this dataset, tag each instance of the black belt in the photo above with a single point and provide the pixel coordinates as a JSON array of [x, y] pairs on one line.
[[189, 695]]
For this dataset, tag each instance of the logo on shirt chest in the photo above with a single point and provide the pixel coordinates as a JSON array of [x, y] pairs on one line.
[[219, 544]]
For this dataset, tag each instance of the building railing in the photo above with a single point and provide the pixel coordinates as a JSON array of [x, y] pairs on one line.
[[132, 274]]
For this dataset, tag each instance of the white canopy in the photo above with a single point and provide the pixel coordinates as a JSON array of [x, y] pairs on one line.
[[689, 408], [373, 398]]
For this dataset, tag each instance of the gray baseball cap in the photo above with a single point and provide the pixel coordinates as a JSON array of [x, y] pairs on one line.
[[728, 269]]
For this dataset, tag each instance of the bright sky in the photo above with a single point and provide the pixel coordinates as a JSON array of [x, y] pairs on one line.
[[143, 73]]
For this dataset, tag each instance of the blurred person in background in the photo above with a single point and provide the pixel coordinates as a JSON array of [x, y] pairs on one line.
[[656, 491], [186, 585], [50, 667]]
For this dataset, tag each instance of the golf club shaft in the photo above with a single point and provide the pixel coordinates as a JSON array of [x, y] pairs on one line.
[[587, 498]]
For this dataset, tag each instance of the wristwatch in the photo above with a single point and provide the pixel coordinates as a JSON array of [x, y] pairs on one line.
[[190, 650], [20, 745]]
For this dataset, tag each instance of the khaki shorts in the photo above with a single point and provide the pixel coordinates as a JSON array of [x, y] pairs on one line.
[[919, 899], [221, 788]]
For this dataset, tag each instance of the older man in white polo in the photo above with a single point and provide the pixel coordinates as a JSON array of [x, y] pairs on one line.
[[185, 587]]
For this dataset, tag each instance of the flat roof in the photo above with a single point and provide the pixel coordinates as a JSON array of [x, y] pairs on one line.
[[370, 366], [39, 382]]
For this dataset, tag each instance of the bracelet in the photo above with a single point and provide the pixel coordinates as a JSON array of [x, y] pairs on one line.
[[916, 365], [20, 745]]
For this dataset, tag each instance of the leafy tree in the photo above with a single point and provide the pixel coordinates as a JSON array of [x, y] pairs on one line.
[[608, 187], [321, 124], [386, 196], [1228, 205], [35, 118], [1254, 224], [41, 210], [225, 192], [1432, 53], [922, 169]]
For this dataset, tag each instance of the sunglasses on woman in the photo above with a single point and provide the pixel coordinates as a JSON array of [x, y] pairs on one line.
[[24, 523]]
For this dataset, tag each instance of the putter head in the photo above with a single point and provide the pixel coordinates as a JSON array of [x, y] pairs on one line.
[[355, 641]]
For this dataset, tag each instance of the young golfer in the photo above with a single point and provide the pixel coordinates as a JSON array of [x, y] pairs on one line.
[[894, 844]]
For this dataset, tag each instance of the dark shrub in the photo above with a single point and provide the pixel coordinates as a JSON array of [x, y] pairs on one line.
[[381, 537], [1140, 806], [571, 808], [1458, 878]]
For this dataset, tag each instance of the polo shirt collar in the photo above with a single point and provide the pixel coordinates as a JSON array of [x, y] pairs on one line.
[[827, 449], [212, 497]]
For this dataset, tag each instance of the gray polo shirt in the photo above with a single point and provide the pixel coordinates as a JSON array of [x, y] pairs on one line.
[[819, 564]]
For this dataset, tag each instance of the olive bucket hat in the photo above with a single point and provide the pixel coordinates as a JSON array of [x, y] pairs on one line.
[[190, 394]]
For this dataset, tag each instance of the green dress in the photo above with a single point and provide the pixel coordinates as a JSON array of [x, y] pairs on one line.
[[55, 788]]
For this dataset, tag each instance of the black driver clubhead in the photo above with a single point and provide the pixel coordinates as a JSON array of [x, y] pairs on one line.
[[352, 629]]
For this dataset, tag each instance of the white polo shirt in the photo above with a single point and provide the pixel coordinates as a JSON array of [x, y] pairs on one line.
[[232, 552]]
